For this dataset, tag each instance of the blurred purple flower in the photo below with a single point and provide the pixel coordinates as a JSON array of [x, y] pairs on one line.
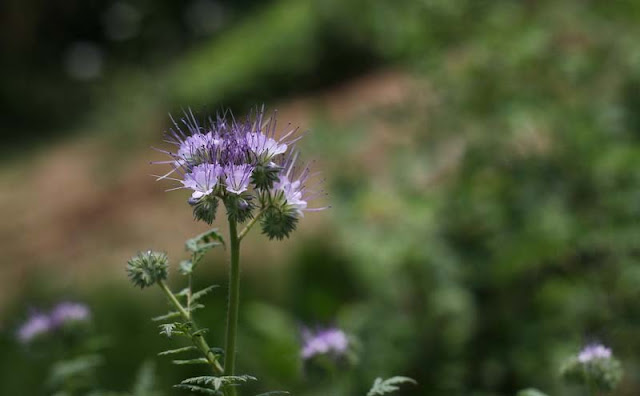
[[593, 352], [68, 311], [37, 324], [327, 341]]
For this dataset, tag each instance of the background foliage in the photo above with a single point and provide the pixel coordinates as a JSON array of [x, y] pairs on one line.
[[482, 160]]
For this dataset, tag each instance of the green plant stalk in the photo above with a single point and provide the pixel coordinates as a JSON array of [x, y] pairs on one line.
[[250, 224], [198, 340], [234, 303]]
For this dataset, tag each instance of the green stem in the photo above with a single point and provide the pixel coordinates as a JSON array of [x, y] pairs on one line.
[[198, 340], [250, 224], [234, 302]]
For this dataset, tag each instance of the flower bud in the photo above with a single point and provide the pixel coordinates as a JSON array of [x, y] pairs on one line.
[[147, 268], [239, 207], [204, 208], [279, 221], [264, 176]]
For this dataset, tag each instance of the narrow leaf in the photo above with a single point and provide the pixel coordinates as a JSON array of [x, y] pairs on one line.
[[177, 350], [202, 292], [170, 315], [191, 361]]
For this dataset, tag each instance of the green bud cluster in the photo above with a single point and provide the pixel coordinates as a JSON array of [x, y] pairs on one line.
[[205, 208], [240, 207], [603, 374], [278, 221], [264, 176], [148, 268]]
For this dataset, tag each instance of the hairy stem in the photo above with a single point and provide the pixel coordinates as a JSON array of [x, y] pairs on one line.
[[234, 302], [198, 340], [250, 224]]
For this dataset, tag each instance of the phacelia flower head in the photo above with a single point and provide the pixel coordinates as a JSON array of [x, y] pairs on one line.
[[330, 341], [241, 164], [593, 352], [594, 366], [36, 325], [68, 312]]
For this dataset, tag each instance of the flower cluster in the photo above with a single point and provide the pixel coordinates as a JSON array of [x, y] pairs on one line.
[[594, 352], [244, 165], [331, 341], [594, 365], [39, 323]]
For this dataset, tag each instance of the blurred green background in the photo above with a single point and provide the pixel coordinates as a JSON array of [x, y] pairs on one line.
[[482, 160]]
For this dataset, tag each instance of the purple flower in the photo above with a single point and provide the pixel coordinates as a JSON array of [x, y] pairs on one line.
[[264, 147], [594, 352], [328, 341], [37, 324], [293, 190], [292, 193], [66, 312], [237, 178], [202, 179]]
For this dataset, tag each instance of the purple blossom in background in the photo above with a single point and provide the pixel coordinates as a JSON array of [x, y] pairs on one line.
[[328, 341], [69, 312], [42, 323], [37, 324], [593, 352]]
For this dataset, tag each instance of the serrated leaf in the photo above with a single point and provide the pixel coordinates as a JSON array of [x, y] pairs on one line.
[[390, 385], [219, 382], [191, 361], [170, 315], [205, 241], [195, 388], [203, 292], [177, 350]]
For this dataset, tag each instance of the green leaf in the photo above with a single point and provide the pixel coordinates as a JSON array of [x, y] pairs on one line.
[[200, 332], [175, 328], [203, 292], [204, 242], [274, 393], [390, 385], [65, 370], [145, 381], [218, 382], [530, 392], [170, 315], [177, 350], [186, 267], [195, 388], [191, 361]]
